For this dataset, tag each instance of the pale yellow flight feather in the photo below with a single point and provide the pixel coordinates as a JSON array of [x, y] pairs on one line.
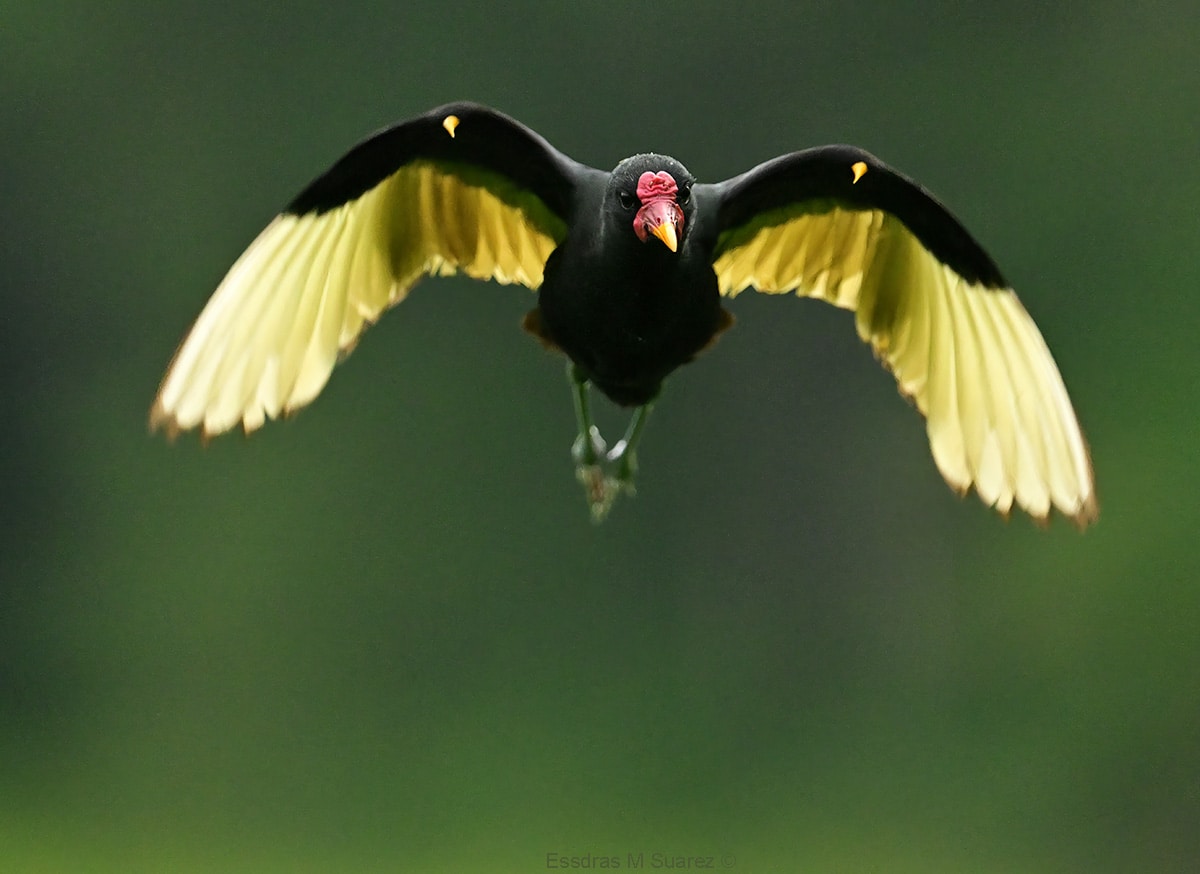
[[997, 413], [299, 297]]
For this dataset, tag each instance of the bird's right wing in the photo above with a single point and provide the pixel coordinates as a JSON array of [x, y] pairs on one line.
[[461, 188]]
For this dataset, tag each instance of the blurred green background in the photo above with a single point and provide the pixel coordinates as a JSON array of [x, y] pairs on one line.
[[383, 636]]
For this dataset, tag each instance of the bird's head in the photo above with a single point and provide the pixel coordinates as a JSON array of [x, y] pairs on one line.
[[654, 194]]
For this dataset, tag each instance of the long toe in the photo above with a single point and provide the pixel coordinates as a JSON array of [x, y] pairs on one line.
[[599, 488]]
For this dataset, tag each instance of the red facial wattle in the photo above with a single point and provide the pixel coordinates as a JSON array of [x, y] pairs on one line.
[[660, 214]]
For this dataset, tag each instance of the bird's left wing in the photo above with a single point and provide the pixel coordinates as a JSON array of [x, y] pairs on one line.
[[837, 224], [461, 188]]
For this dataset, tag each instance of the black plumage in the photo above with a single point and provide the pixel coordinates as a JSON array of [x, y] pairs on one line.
[[632, 269]]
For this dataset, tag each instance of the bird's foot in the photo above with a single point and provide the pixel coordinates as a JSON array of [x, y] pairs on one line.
[[605, 474], [599, 488]]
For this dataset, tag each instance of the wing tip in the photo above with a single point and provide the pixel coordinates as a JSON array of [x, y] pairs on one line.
[[1082, 514], [162, 419], [1087, 512]]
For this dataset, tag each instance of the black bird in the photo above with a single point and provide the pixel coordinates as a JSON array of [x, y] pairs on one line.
[[631, 269]]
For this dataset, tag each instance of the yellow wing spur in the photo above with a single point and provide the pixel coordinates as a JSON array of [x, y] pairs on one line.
[[837, 224], [462, 188]]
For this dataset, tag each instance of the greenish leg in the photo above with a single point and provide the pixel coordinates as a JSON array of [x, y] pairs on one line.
[[588, 450], [589, 445], [624, 454]]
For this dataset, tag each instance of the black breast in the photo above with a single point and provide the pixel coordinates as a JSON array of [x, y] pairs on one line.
[[630, 314]]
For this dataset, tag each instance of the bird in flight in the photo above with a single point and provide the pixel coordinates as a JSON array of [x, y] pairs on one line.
[[632, 268]]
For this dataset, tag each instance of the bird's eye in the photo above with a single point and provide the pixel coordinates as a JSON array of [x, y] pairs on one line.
[[685, 194], [628, 201]]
